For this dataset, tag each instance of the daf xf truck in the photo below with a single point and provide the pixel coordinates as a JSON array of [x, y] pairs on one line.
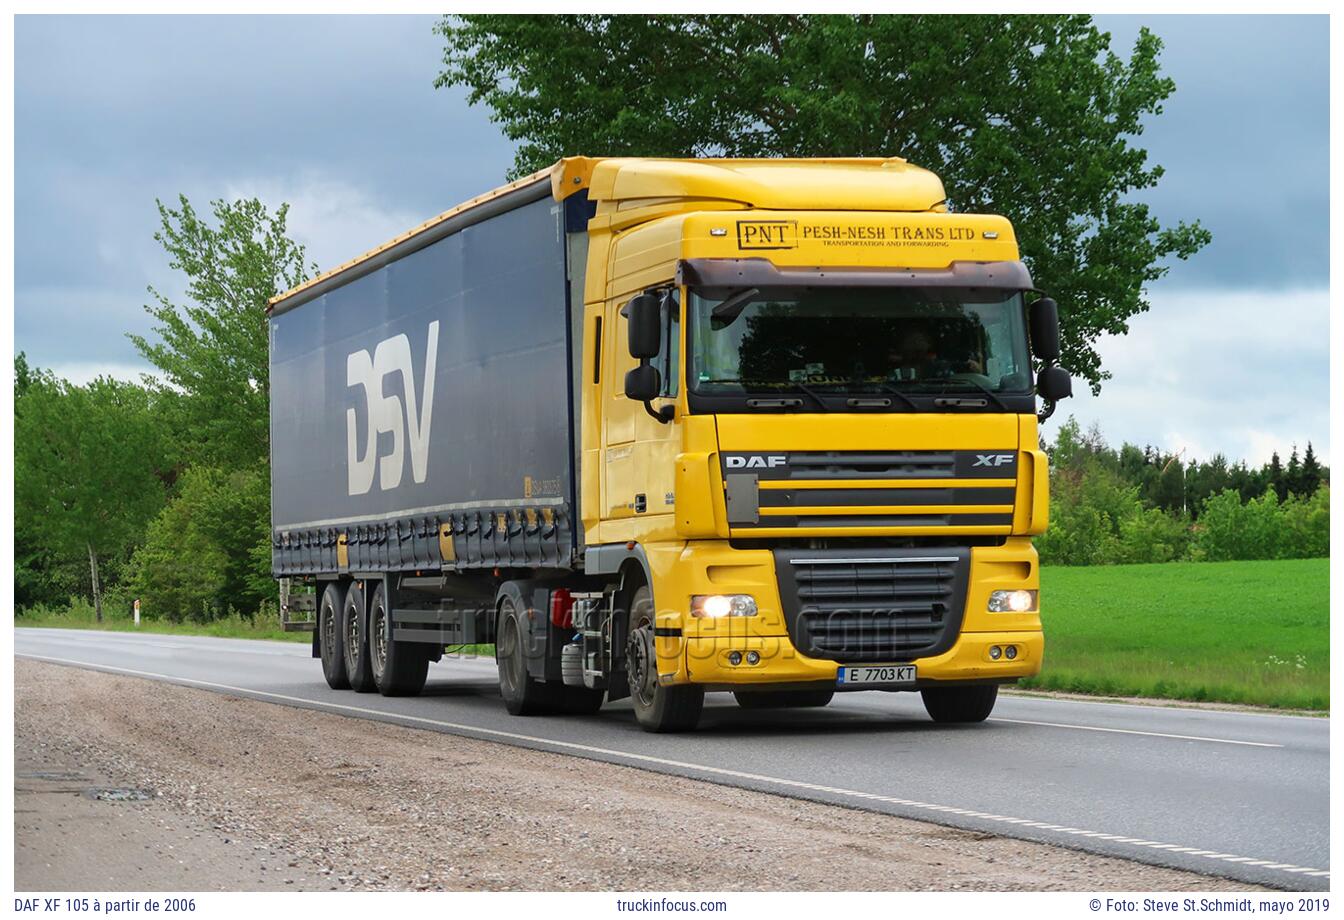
[[657, 428]]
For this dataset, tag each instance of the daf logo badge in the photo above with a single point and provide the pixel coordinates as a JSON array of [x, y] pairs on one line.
[[756, 462], [992, 459]]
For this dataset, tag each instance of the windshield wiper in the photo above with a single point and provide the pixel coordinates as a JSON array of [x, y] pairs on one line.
[[813, 393]]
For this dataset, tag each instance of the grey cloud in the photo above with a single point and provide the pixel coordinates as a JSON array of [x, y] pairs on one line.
[[1245, 143]]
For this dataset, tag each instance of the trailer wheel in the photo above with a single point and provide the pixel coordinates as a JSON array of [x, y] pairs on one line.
[[355, 632], [658, 708], [399, 668], [960, 704], [522, 695], [781, 699], [330, 637]]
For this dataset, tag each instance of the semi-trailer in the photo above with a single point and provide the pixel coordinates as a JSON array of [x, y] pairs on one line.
[[654, 428]]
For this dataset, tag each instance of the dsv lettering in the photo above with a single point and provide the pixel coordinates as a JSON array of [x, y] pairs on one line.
[[386, 414]]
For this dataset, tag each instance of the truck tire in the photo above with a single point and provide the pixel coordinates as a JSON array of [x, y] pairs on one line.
[[960, 704], [399, 668], [782, 699], [355, 632], [658, 708], [581, 701], [522, 695], [330, 639]]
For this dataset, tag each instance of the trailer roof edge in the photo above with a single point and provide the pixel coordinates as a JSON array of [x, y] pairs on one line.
[[505, 198]]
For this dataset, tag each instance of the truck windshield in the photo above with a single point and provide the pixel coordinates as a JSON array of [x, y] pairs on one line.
[[837, 340]]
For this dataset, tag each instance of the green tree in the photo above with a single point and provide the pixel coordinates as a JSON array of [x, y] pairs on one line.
[[1032, 117], [1311, 471], [1292, 474], [213, 351], [88, 464], [200, 555], [1275, 476]]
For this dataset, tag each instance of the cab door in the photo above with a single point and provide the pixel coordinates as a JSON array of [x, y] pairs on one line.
[[640, 451]]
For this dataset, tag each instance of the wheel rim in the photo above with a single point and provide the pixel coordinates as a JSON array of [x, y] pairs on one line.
[[639, 661], [328, 631], [352, 633], [379, 638]]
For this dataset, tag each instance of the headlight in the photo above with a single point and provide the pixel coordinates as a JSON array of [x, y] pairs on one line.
[[1012, 601], [714, 606]]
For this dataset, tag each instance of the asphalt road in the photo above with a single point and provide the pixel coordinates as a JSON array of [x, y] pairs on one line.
[[1240, 795]]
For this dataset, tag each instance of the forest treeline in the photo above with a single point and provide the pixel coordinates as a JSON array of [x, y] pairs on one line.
[[1141, 504]]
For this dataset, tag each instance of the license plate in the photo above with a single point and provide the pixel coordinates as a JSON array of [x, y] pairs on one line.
[[875, 675]]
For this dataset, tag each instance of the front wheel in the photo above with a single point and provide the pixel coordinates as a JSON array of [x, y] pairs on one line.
[[960, 704], [658, 708]]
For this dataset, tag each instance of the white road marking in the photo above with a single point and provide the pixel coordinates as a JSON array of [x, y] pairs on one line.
[[1130, 731], [472, 730]]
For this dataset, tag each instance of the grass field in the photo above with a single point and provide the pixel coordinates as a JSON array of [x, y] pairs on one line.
[[1236, 632]]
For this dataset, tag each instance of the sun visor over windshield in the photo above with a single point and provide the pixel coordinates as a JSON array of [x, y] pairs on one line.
[[734, 274]]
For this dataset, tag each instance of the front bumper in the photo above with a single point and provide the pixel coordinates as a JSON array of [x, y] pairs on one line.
[[699, 651], [707, 661]]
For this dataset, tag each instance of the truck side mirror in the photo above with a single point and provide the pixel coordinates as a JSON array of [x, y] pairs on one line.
[[642, 383], [644, 321], [1054, 383], [1044, 323]]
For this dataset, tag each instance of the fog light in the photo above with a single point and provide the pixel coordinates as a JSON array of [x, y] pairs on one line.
[[1010, 652], [995, 652], [753, 657], [1019, 601], [734, 658], [714, 606]]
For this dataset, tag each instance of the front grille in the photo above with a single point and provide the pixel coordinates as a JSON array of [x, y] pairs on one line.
[[878, 491], [913, 464], [892, 605]]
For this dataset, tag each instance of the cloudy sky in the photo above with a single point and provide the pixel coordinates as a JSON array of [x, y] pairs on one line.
[[337, 115]]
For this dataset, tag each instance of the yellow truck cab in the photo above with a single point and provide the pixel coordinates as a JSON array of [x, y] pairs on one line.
[[801, 435]]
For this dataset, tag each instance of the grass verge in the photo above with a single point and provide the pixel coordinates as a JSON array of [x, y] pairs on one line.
[[266, 625], [80, 615], [1256, 633]]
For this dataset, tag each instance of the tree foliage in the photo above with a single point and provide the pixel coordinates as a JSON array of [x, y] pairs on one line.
[[1032, 117], [90, 464], [1130, 505], [200, 555], [213, 350]]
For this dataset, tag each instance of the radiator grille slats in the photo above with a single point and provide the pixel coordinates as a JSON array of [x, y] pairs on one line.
[[881, 492], [872, 609]]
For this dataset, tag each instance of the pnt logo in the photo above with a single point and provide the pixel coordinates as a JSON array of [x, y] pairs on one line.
[[767, 234], [756, 462], [386, 413], [992, 459]]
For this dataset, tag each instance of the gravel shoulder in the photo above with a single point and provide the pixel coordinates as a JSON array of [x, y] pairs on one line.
[[255, 796]]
